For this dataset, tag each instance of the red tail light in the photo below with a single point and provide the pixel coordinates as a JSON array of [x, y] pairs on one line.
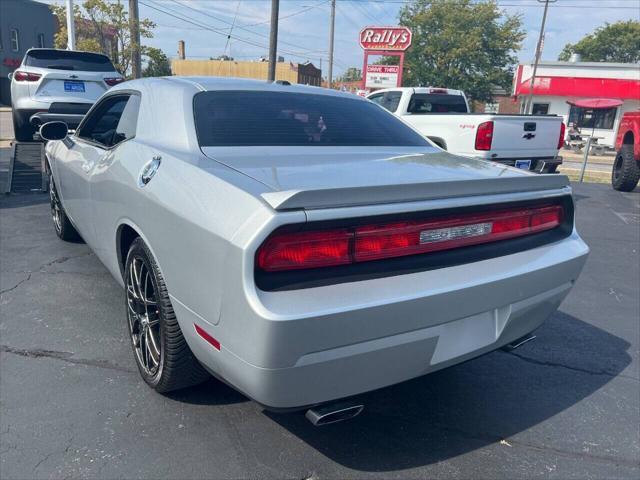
[[563, 128], [112, 81], [484, 136], [438, 90], [305, 250], [20, 76], [291, 251]]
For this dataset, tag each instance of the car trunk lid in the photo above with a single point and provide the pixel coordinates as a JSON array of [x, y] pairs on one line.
[[71, 86], [326, 177]]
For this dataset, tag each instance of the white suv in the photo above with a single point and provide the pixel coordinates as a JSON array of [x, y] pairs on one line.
[[57, 85]]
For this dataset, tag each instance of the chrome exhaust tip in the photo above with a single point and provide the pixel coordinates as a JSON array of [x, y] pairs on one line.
[[332, 413], [518, 343]]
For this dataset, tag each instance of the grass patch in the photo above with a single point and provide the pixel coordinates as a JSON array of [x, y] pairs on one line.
[[590, 176]]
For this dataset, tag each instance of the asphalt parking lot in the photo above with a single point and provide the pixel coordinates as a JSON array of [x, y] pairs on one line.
[[72, 404]]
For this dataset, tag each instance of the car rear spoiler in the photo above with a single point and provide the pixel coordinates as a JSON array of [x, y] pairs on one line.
[[372, 195]]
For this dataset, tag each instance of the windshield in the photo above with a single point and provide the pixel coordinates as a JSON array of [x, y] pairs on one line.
[[262, 118], [426, 103], [66, 60]]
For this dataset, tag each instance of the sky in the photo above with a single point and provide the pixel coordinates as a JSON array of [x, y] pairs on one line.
[[304, 26]]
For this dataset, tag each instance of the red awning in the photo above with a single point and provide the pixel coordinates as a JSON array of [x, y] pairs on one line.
[[596, 102]]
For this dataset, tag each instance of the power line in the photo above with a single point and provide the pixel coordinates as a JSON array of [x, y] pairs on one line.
[[182, 17]]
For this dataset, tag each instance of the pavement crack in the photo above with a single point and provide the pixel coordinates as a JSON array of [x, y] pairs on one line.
[[6, 290], [547, 363], [63, 356], [63, 260]]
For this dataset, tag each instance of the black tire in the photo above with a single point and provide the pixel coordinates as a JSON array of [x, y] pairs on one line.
[[626, 170], [174, 365], [22, 130], [61, 223]]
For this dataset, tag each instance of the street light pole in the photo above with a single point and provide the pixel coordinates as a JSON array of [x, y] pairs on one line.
[[529, 103], [71, 28], [331, 36], [273, 40]]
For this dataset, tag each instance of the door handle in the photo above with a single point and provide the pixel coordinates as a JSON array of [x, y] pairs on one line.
[[148, 171]]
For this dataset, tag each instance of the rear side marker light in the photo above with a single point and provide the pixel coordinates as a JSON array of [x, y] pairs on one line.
[[113, 81], [484, 136], [200, 331], [20, 76], [298, 250]]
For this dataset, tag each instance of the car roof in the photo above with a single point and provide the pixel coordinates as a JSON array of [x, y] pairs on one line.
[[207, 84]]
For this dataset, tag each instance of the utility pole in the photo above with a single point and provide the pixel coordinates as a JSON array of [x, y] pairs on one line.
[[331, 35], [71, 27], [181, 50], [273, 40], [528, 106], [134, 27]]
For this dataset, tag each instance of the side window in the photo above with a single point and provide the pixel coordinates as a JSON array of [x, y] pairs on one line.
[[388, 100], [111, 122], [376, 98]]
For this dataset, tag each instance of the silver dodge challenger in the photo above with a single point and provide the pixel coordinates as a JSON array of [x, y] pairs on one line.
[[301, 244]]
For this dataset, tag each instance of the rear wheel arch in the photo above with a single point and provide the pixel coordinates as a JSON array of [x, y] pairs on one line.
[[125, 237], [628, 138]]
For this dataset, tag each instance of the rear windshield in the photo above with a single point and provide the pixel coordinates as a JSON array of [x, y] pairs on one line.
[[64, 60], [425, 103], [259, 118]]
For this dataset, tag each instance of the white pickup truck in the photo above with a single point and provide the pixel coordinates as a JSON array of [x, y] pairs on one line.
[[442, 115]]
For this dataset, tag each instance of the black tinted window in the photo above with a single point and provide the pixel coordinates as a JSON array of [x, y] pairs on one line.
[[67, 60], [254, 118], [425, 103], [112, 121]]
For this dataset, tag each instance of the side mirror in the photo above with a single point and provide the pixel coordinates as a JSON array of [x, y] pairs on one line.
[[10, 75], [54, 131]]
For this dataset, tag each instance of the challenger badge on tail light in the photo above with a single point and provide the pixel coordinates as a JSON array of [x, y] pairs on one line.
[[324, 248]]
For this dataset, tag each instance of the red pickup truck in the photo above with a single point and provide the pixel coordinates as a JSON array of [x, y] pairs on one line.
[[626, 168]]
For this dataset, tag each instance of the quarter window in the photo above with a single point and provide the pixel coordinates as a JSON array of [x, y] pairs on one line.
[[15, 40], [113, 121]]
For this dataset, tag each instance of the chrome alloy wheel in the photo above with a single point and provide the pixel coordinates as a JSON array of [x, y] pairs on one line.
[[144, 316], [56, 211]]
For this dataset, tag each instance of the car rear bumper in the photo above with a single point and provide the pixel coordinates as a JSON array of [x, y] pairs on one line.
[[39, 112], [540, 165], [303, 347], [40, 118]]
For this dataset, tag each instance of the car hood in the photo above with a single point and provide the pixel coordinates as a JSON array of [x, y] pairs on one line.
[[373, 174]]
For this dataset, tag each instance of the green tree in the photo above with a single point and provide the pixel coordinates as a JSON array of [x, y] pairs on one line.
[[351, 74], [158, 64], [102, 26], [614, 42], [460, 44]]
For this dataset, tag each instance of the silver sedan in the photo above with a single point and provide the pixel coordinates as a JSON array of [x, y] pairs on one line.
[[301, 244]]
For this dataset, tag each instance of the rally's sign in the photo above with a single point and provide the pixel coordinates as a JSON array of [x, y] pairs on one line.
[[385, 38], [382, 76]]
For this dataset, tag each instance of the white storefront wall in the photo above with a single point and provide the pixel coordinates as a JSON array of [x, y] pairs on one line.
[[559, 106]]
